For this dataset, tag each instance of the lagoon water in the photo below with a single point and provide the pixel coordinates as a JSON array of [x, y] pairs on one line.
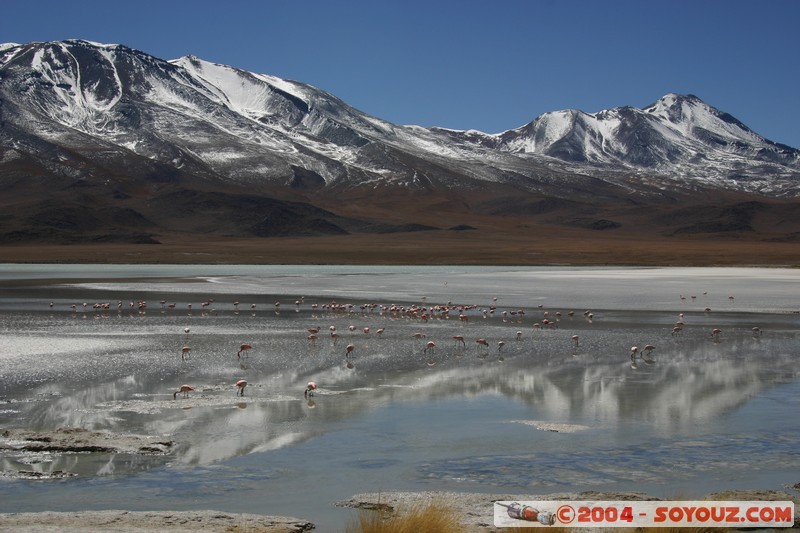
[[537, 416]]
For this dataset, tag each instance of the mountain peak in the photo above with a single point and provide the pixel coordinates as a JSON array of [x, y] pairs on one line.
[[102, 106]]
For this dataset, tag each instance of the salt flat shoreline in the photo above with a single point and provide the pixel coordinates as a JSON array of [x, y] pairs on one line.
[[474, 509]]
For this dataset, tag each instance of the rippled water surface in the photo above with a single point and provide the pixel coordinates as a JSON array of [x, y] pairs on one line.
[[543, 413]]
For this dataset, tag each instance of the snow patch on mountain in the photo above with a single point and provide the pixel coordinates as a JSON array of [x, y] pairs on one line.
[[247, 126]]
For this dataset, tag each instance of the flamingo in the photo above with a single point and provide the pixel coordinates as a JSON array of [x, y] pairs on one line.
[[349, 350], [240, 385], [575, 339], [310, 388], [380, 331], [460, 338], [185, 352], [634, 351], [519, 335], [756, 331], [500, 345], [184, 389], [429, 346], [648, 348], [482, 342], [715, 333], [243, 348]]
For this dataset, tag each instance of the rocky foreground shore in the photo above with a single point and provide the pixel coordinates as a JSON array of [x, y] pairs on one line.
[[474, 510], [146, 521]]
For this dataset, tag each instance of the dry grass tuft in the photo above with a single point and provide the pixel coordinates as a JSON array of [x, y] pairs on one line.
[[558, 529], [429, 518]]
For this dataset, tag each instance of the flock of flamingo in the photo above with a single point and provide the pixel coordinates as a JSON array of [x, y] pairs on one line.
[[421, 313]]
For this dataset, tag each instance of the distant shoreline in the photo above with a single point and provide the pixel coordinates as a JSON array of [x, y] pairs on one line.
[[476, 248]]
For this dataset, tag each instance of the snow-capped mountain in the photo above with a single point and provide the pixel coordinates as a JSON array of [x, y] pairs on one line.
[[77, 114], [679, 137]]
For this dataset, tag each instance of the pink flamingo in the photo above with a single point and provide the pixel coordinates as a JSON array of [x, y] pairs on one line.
[[243, 348], [185, 352], [575, 339], [184, 389], [715, 333], [634, 351], [310, 388], [240, 385], [460, 338], [429, 346]]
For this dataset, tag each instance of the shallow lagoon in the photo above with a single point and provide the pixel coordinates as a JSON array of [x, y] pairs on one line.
[[701, 414]]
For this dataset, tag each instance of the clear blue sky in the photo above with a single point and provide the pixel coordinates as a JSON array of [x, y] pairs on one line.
[[489, 65]]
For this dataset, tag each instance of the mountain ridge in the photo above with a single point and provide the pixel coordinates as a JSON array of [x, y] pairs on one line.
[[134, 133]]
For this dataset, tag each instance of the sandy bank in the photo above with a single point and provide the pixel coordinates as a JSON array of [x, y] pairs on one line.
[[474, 509], [130, 522]]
